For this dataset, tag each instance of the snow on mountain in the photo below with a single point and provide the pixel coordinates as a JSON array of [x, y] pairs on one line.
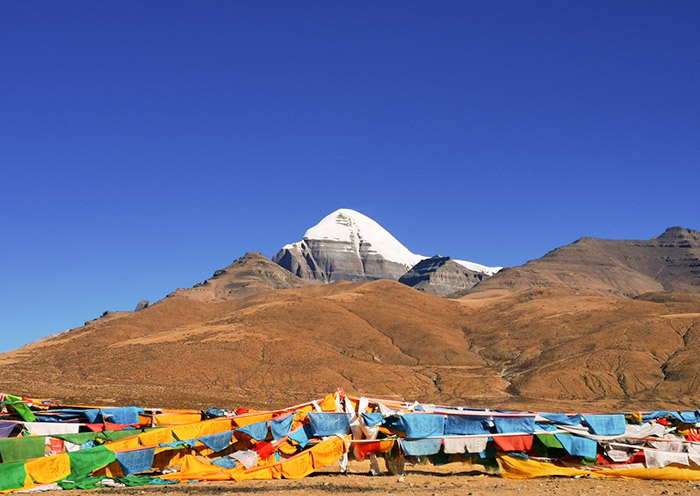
[[348, 245], [478, 267], [352, 227]]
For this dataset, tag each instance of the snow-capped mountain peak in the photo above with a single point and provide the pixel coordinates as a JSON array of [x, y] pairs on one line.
[[347, 245], [358, 230]]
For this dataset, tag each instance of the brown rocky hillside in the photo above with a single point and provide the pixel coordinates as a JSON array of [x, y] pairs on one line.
[[670, 262], [543, 349], [249, 275]]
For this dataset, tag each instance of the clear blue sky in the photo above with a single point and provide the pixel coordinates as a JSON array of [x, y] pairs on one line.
[[146, 144]]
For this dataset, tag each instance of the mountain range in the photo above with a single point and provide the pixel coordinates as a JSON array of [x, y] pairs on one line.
[[597, 324], [349, 246]]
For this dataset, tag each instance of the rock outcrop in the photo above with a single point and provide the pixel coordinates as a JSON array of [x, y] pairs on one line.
[[141, 305], [441, 276], [251, 274]]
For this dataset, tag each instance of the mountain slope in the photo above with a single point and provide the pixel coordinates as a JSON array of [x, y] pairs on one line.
[[249, 275], [627, 268], [380, 337], [530, 349], [589, 349]]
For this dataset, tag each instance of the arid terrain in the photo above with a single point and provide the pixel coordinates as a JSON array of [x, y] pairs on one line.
[[255, 335], [538, 348]]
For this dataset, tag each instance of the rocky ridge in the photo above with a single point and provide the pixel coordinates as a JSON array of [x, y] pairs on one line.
[[248, 275], [441, 276], [669, 262]]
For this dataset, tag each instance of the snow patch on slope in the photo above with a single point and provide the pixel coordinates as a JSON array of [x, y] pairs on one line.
[[478, 267]]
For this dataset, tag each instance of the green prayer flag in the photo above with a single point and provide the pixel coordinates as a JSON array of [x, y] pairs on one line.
[[78, 438], [84, 483], [549, 441], [93, 482], [22, 448], [83, 462], [134, 480], [12, 475], [21, 408], [84, 437], [118, 435], [548, 445]]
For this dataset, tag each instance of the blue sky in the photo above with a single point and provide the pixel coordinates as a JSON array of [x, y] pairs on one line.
[[146, 144]]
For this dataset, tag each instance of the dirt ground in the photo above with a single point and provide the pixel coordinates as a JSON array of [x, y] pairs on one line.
[[448, 480]]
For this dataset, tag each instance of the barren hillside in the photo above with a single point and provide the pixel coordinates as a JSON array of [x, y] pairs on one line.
[[530, 349]]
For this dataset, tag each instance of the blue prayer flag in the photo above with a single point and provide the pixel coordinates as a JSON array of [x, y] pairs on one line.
[[327, 423], [606, 425], [257, 431], [459, 425], [218, 441], [136, 461], [280, 427], [420, 447], [421, 425], [507, 425], [563, 419], [578, 446], [371, 419]]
